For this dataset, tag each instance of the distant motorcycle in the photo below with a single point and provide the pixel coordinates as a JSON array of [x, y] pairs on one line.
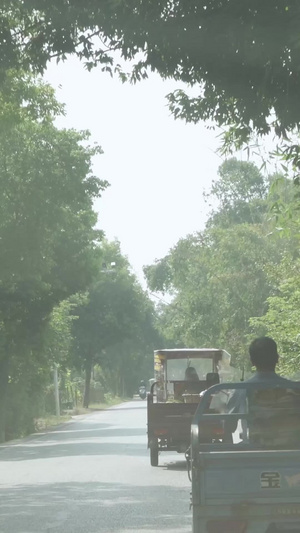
[[142, 392]]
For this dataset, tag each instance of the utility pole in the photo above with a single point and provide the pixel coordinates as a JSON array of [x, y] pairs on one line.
[[56, 391]]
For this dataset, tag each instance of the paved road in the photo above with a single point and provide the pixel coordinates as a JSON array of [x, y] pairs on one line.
[[93, 475]]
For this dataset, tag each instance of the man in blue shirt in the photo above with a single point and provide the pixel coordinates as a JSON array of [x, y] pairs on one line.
[[264, 356]]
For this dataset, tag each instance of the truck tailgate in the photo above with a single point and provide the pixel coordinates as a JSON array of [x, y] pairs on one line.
[[247, 492], [256, 476]]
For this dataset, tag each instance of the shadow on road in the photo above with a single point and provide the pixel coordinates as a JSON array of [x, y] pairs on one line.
[[96, 433], [179, 466], [93, 508], [46, 450]]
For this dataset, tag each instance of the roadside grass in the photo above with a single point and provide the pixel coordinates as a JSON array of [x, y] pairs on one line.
[[50, 421], [110, 401], [41, 424]]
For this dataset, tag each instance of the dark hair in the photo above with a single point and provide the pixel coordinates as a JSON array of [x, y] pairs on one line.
[[263, 353], [191, 374]]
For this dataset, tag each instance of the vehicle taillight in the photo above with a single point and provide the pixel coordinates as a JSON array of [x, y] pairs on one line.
[[160, 432], [226, 526], [218, 431]]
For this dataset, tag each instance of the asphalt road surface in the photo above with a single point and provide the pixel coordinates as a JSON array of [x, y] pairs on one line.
[[93, 475]]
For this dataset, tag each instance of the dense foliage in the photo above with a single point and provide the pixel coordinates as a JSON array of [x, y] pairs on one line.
[[51, 253], [281, 320], [48, 241], [236, 278], [239, 65], [115, 326], [242, 56]]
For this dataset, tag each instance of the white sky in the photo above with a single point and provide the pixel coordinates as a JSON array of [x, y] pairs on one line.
[[157, 167]]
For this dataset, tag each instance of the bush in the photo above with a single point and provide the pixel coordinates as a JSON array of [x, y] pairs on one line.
[[25, 398], [23, 406]]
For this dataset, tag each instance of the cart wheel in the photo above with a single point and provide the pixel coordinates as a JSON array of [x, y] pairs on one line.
[[154, 452]]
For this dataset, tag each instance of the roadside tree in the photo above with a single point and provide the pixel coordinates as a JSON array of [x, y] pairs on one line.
[[281, 321], [242, 57], [48, 239], [218, 278], [115, 322]]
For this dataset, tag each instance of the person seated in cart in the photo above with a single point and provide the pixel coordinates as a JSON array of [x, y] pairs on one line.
[[191, 374], [191, 388], [264, 357]]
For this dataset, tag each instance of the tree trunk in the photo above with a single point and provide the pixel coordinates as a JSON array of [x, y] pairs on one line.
[[88, 375], [4, 363], [114, 385]]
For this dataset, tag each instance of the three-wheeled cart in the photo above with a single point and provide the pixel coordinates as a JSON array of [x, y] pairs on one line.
[[251, 485], [181, 375]]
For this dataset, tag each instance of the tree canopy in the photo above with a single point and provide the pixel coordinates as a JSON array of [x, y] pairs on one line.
[[113, 322], [243, 56], [220, 278], [241, 193], [47, 219], [49, 244]]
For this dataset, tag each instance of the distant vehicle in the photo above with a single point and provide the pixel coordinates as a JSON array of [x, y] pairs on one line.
[[180, 376], [142, 392]]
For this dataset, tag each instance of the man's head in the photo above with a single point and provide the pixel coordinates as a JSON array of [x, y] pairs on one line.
[[263, 354]]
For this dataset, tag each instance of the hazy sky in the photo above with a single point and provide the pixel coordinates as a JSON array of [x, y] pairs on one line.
[[157, 167]]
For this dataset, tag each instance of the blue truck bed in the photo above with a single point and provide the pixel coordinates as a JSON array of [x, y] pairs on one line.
[[240, 488]]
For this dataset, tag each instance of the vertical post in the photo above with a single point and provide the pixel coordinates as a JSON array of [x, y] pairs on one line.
[[4, 377], [56, 391], [123, 387]]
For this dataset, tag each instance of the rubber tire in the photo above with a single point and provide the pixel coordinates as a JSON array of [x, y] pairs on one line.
[[154, 453]]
